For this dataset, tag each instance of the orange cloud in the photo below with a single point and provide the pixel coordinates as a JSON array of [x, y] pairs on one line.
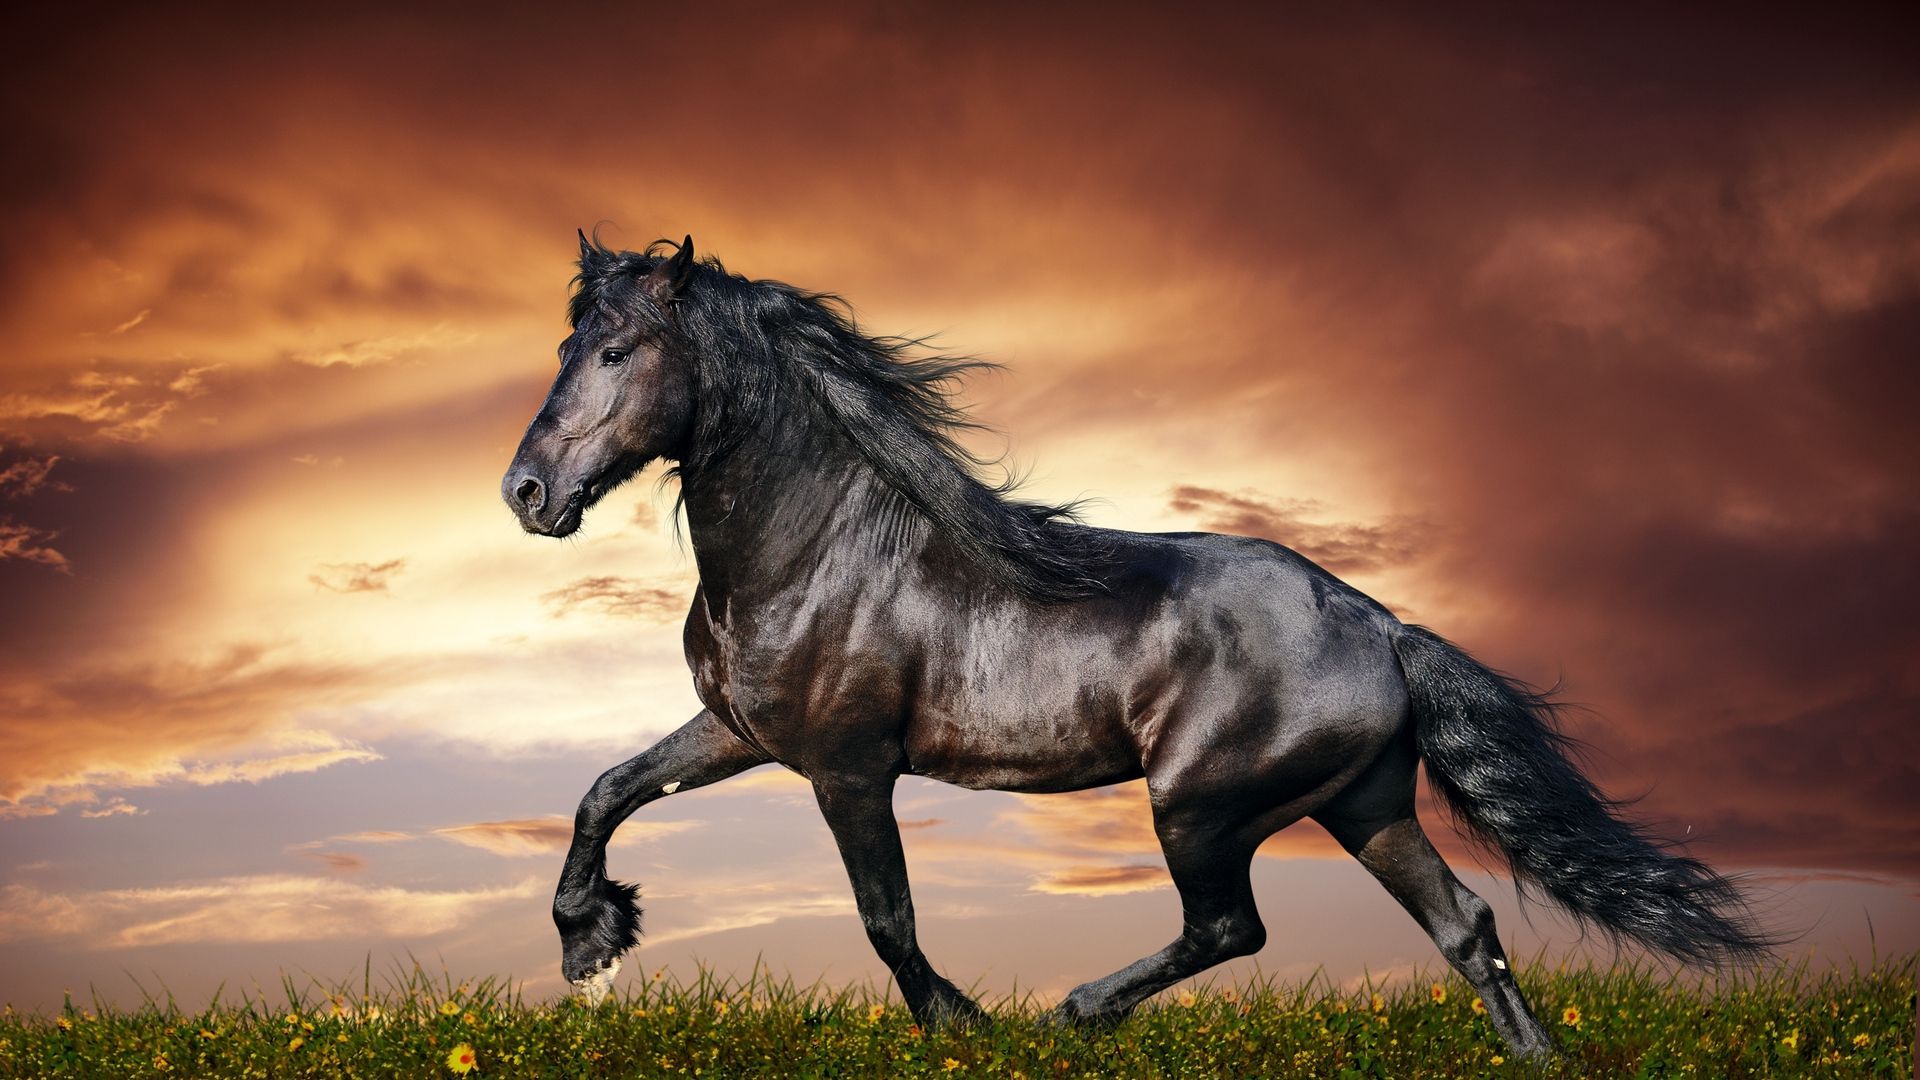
[[339, 862], [358, 577], [1104, 880], [28, 476], [251, 909], [619, 596], [549, 835], [24, 542], [1344, 548]]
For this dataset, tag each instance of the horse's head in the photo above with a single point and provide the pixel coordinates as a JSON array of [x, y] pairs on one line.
[[623, 398]]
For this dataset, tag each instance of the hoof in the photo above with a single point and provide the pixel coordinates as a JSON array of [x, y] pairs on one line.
[[595, 986]]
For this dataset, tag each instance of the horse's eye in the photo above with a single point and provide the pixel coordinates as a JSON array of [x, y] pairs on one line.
[[613, 356]]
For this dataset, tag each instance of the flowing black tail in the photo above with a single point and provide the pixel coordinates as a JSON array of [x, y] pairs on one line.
[[1493, 752]]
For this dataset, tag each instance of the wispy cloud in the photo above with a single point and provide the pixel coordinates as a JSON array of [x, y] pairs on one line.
[[548, 835], [357, 577], [28, 476], [380, 350], [1342, 547], [114, 807], [138, 318], [619, 596], [339, 862], [254, 909], [1103, 880], [30, 544]]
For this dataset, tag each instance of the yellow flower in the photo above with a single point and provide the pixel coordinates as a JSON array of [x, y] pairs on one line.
[[1791, 1040], [461, 1060], [160, 1062], [64, 1024], [297, 1043], [1498, 1060], [639, 1013], [205, 1034], [951, 1064], [449, 1008], [1378, 1003], [1479, 1006], [1186, 997], [720, 1006], [1439, 994], [875, 1012], [1571, 1017], [1862, 1039]]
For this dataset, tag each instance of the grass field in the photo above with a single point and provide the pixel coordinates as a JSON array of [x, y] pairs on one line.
[[1620, 1022]]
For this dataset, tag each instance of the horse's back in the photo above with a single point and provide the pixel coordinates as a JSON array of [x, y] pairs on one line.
[[1239, 636]]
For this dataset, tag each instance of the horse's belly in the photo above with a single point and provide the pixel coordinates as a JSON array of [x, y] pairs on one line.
[[1028, 752]]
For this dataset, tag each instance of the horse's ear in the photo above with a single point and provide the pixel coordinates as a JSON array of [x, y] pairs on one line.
[[669, 279], [587, 253]]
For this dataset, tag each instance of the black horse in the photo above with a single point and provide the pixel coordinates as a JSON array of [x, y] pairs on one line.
[[869, 608]]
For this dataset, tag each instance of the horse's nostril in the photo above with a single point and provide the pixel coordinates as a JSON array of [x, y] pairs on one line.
[[530, 494]]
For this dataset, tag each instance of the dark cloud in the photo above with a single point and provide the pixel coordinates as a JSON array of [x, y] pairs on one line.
[[620, 596], [357, 577]]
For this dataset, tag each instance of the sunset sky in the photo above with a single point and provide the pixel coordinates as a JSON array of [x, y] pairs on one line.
[[1595, 347]]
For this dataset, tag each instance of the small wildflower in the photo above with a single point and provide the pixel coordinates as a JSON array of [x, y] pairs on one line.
[[64, 1024], [1861, 1040], [950, 1064], [1186, 997], [461, 1059], [1379, 1004], [160, 1063], [639, 1013], [875, 1012], [913, 1031], [1498, 1060], [1791, 1040], [1571, 1016], [720, 1006], [449, 1008], [1479, 1006], [1439, 993], [297, 1043], [205, 1034]]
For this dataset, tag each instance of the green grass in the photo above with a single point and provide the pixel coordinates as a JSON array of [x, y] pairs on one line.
[[1631, 1021]]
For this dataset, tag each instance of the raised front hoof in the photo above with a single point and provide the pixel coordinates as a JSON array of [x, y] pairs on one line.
[[594, 933]]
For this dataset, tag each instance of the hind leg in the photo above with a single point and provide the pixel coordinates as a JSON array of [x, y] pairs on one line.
[[1375, 822], [1211, 867]]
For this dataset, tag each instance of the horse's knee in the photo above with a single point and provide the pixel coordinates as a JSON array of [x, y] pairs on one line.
[[1237, 934]]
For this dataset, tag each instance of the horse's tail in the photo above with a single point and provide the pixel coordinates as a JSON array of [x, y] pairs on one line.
[[1494, 753]]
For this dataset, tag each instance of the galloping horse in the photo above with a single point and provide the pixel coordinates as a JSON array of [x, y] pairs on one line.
[[869, 608]]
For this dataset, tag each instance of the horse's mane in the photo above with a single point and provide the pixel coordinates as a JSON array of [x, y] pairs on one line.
[[762, 348]]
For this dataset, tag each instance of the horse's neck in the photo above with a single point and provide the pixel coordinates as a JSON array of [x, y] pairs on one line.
[[772, 513]]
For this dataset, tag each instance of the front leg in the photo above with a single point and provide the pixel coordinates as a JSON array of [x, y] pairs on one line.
[[861, 817], [598, 919]]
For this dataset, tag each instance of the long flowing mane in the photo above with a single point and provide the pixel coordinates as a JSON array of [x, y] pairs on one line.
[[761, 349]]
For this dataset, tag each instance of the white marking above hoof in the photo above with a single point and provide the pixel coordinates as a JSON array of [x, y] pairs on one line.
[[596, 986], [671, 788], [1499, 963]]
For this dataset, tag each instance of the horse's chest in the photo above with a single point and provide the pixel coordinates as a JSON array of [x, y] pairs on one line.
[[795, 697]]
